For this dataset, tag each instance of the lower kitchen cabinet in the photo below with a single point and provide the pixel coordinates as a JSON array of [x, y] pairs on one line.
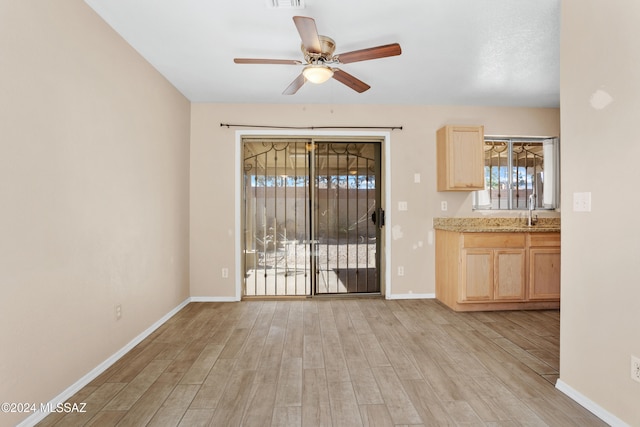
[[544, 267], [497, 271], [493, 274], [477, 282], [509, 277]]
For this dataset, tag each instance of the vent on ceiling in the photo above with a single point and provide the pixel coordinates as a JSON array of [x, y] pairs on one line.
[[286, 4]]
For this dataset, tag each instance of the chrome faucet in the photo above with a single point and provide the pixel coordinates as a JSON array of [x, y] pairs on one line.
[[532, 220]]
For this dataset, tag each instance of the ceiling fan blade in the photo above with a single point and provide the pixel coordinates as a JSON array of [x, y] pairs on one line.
[[392, 49], [295, 85], [347, 79], [308, 33], [266, 61]]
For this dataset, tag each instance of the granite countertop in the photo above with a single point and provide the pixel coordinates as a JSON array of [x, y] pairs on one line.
[[496, 225]]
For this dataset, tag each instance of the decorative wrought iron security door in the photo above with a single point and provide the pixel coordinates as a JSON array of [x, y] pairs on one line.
[[312, 217]]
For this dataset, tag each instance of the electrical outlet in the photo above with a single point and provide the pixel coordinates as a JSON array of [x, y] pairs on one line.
[[635, 368], [225, 273], [400, 271], [443, 206], [118, 312]]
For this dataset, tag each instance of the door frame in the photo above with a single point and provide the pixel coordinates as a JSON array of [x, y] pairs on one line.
[[385, 164]]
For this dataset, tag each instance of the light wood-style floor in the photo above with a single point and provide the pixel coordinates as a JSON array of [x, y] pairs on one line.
[[340, 362]]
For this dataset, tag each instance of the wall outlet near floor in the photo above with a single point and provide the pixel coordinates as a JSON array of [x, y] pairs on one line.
[[635, 368], [225, 273], [400, 271], [118, 312]]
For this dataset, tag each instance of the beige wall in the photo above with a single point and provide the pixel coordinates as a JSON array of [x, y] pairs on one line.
[[94, 183], [600, 315], [213, 172]]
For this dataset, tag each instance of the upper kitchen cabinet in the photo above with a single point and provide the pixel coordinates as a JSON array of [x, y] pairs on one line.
[[460, 156]]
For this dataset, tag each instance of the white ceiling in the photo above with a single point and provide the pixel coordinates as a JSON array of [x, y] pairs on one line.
[[454, 52]]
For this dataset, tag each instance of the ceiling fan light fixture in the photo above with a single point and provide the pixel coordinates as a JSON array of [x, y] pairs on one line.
[[317, 73]]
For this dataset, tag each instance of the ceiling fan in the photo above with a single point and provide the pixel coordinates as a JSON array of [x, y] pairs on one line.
[[319, 60]]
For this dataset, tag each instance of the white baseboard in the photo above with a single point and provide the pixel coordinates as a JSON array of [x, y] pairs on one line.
[[590, 405], [410, 296], [214, 299], [38, 416]]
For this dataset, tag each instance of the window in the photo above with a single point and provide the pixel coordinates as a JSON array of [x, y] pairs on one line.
[[518, 171]]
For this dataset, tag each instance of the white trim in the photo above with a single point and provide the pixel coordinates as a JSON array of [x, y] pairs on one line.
[[238, 214], [388, 215], [590, 405], [386, 142], [38, 416], [215, 299], [411, 296]]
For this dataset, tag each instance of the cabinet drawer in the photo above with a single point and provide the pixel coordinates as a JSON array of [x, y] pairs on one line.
[[544, 239], [493, 240]]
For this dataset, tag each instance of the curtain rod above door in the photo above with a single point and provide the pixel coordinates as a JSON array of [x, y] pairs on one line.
[[228, 125]]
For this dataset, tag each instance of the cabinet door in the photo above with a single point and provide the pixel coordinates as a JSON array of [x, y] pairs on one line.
[[477, 272], [544, 273], [460, 158], [509, 274]]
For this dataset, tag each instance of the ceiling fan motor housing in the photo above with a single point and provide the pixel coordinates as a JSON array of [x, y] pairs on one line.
[[327, 47]]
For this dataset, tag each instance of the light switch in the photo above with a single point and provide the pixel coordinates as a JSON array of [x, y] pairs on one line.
[[403, 206], [416, 178], [582, 202]]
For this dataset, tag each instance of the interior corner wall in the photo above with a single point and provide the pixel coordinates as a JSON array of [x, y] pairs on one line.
[[600, 105], [94, 187], [412, 151]]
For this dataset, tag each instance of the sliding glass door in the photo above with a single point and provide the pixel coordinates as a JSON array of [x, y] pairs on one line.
[[311, 217]]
